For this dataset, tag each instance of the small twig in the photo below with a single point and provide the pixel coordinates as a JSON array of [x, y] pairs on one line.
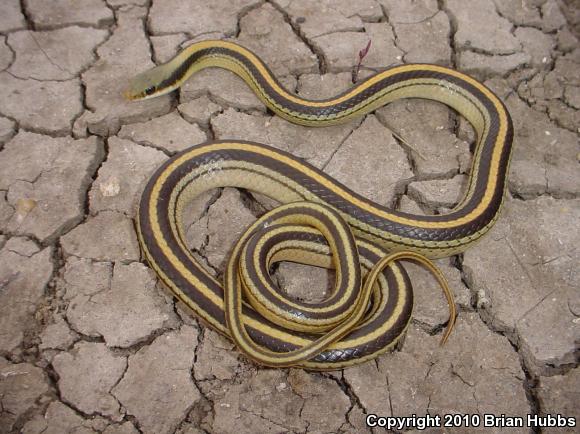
[[361, 55], [406, 143]]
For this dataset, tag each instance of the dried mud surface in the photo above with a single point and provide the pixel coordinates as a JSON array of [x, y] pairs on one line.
[[89, 340]]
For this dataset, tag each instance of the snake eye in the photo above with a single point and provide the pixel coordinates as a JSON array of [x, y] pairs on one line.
[[150, 90]]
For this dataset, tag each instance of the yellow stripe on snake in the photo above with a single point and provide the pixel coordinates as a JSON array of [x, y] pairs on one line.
[[321, 222]]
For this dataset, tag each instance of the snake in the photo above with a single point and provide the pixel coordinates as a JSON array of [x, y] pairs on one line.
[[320, 221]]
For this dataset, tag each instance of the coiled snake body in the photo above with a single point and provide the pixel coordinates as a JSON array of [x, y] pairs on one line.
[[351, 325]]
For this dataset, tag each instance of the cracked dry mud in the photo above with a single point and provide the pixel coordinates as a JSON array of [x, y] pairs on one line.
[[89, 340]]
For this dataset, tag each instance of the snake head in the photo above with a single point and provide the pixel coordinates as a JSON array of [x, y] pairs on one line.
[[148, 84]]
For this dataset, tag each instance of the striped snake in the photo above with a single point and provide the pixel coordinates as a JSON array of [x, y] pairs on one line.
[[356, 322]]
